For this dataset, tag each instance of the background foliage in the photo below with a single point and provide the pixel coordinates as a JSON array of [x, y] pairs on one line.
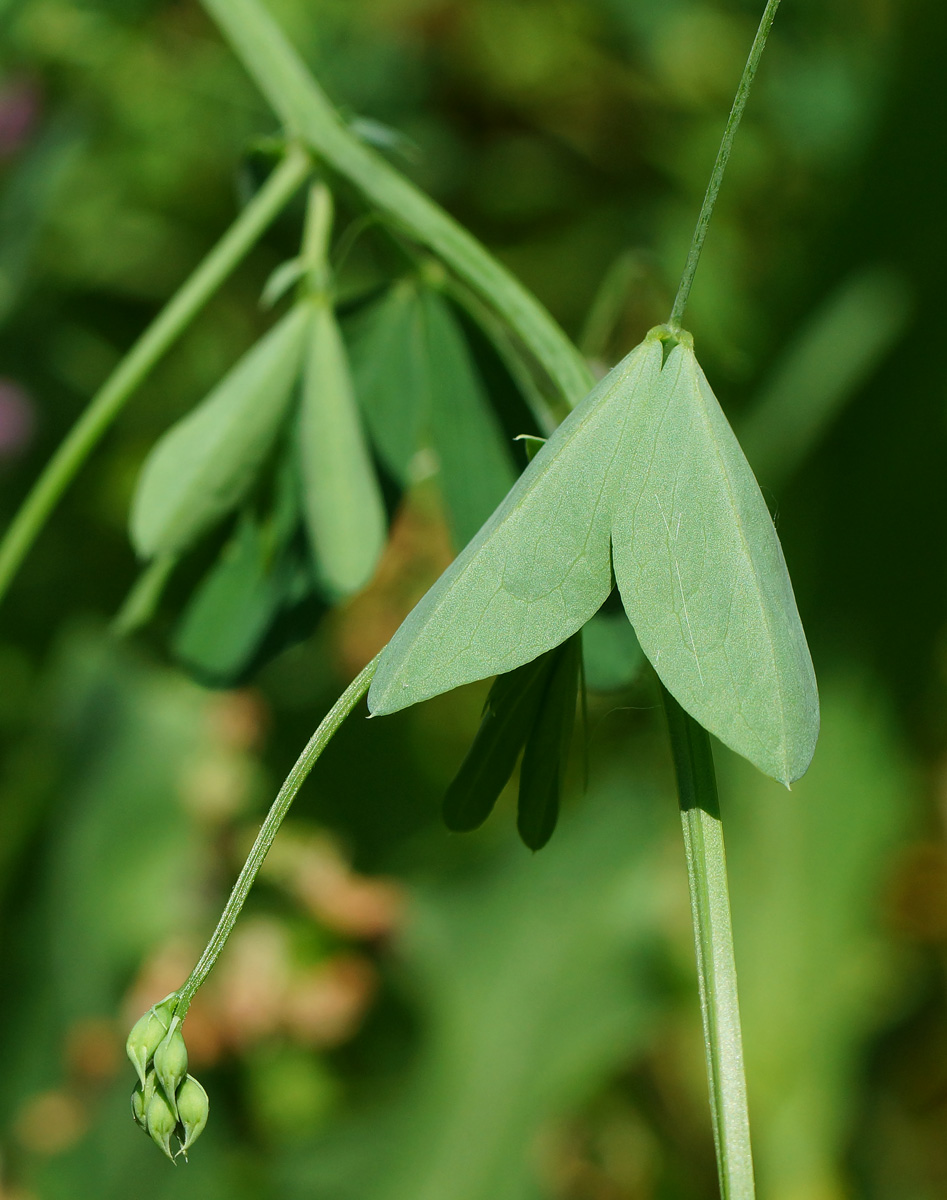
[[405, 1014]]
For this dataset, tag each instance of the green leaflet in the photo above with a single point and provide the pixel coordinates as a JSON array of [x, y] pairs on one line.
[[202, 467], [703, 580], [476, 464], [386, 342], [547, 749], [232, 609], [342, 503], [538, 569], [508, 718], [645, 470], [417, 383]]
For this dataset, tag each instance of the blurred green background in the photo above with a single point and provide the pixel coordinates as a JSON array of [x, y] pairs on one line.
[[405, 1014]]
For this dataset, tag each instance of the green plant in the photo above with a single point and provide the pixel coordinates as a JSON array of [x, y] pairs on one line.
[[701, 577]]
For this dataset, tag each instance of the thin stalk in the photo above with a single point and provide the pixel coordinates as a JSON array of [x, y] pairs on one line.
[[270, 827], [160, 335], [143, 599], [713, 939], [316, 236], [720, 166]]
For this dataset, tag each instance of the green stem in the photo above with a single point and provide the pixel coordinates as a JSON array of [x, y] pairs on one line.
[[306, 113], [713, 938], [173, 319], [270, 827], [316, 236], [723, 157]]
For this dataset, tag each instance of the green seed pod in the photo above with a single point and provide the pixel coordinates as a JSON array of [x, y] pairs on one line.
[[147, 1035], [138, 1107], [141, 1098], [193, 1110], [161, 1121], [171, 1061]]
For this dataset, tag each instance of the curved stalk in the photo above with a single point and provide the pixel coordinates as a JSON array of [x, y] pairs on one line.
[[160, 335], [269, 829]]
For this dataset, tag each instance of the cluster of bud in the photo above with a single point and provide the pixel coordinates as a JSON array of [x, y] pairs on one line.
[[167, 1103]]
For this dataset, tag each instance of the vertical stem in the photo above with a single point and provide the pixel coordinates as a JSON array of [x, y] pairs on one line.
[[713, 937], [316, 236], [169, 324], [723, 157], [270, 827]]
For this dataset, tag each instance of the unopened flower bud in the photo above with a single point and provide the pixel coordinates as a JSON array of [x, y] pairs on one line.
[[170, 1059], [147, 1035], [193, 1110], [161, 1121]]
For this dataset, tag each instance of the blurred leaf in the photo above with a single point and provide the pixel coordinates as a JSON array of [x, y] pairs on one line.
[[476, 465], [535, 984], [28, 193], [389, 372], [817, 977], [416, 380], [508, 717], [282, 279], [342, 503], [201, 468], [232, 609], [547, 748], [831, 357]]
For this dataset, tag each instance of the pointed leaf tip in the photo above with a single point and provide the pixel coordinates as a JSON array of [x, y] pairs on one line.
[[703, 579], [646, 475], [202, 466]]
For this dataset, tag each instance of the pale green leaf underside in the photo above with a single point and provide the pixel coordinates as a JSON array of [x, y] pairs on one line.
[[645, 470], [342, 502], [537, 570], [703, 579], [201, 468]]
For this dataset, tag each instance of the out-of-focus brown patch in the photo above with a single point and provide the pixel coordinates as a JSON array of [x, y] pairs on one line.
[[238, 719], [418, 551], [252, 981], [94, 1050], [50, 1122], [917, 897], [215, 787], [311, 868], [325, 1005]]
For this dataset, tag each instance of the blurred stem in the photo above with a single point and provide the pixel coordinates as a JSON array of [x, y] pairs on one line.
[[316, 236], [142, 601], [713, 938], [270, 827], [160, 335], [720, 165], [307, 114]]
